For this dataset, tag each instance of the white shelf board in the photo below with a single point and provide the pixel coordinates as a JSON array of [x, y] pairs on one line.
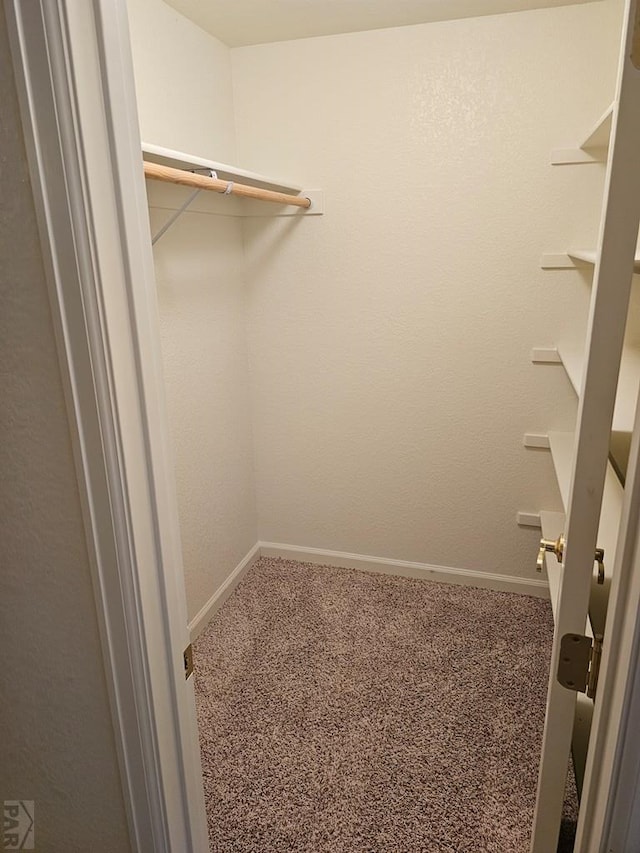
[[600, 133], [589, 256], [561, 444], [574, 259], [628, 381], [180, 160], [574, 156], [627, 396], [572, 358], [593, 148]]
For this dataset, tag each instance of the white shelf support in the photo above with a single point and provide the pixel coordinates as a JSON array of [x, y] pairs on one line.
[[600, 133], [536, 440], [576, 156], [556, 261], [545, 355], [575, 259], [593, 149], [528, 519], [175, 215]]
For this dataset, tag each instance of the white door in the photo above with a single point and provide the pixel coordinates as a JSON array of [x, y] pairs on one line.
[[590, 444]]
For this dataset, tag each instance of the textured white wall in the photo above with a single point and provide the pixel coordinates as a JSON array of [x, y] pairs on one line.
[[201, 298], [390, 339], [56, 737], [183, 82], [203, 330]]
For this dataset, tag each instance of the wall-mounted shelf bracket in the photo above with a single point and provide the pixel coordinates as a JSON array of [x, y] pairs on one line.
[[594, 148], [575, 259], [176, 214], [528, 519], [545, 355]]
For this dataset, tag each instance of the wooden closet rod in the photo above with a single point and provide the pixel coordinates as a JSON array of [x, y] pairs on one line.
[[203, 182]]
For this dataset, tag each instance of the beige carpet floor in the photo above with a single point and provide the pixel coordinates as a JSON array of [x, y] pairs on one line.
[[346, 712]]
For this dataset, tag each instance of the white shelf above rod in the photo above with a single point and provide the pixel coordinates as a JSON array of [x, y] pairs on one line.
[[182, 160], [593, 149]]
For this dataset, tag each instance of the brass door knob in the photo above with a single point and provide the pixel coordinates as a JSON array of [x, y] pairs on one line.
[[556, 546], [552, 546]]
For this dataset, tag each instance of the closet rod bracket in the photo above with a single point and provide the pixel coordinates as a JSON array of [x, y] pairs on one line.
[[181, 210]]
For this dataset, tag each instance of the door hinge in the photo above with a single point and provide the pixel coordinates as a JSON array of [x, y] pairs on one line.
[[579, 663], [187, 656]]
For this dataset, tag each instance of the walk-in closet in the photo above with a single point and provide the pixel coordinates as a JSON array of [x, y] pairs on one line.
[[324, 320], [375, 232]]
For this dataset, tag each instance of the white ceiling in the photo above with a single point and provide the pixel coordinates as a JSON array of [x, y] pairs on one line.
[[242, 22]]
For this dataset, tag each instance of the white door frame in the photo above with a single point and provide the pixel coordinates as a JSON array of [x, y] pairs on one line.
[[75, 78], [75, 82]]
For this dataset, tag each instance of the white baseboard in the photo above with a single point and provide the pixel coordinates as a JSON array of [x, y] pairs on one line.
[[204, 616], [404, 568], [382, 565]]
